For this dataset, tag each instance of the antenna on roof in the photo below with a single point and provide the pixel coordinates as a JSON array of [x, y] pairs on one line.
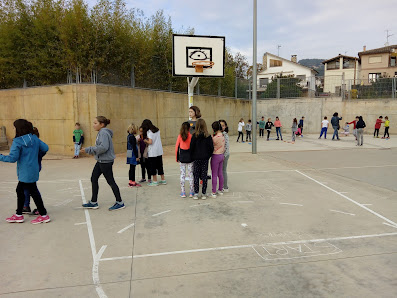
[[278, 50], [387, 37]]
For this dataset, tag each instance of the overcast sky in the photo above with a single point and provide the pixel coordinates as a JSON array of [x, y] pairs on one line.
[[307, 28]]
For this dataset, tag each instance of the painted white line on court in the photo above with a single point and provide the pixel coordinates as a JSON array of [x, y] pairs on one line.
[[249, 246], [243, 202], [95, 257], [385, 223], [244, 225], [80, 223], [126, 228], [161, 213], [291, 204], [342, 212], [351, 200], [344, 192], [367, 204], [200, 205]]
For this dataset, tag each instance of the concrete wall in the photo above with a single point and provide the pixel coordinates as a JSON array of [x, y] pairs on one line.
[[54, 111], [314, 109]]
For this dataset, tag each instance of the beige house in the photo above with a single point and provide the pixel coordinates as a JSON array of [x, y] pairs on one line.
[[378, 63], [339, 67]]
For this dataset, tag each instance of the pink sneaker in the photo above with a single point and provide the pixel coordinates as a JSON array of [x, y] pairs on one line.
[[40, 219], [16, 218]]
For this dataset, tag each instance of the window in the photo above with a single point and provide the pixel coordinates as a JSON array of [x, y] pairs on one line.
[[393, 61], [263, 82], [301, 77], [375, 59], [333, 65], [372, 77], [275, 63], [348, 63]]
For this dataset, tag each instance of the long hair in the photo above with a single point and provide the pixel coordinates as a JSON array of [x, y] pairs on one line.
[[103, 120], [196, 111], [226, 127], [184, 132], [201, 128], [148, 125], [216, 126], [22, 127], [295, 121]]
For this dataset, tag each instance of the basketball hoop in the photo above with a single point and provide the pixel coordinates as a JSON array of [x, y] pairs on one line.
[[199, 65]]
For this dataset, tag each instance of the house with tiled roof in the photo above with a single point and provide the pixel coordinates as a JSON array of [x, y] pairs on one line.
[[274, 66], [380, 62], [339, 67]]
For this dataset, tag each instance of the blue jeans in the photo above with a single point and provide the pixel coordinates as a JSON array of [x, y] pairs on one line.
[[77, 149], [335, 132], [278, 131], [324, 131]]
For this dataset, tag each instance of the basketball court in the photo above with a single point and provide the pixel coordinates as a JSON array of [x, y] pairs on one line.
[[297, 223]]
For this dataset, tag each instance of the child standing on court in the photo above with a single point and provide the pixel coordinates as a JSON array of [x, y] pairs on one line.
[[184, 157], [225, 131], [104, 155], [194, 115], [25, 150], [294, 129], [132, 154], [387, 125], [217, 158], [278, 126], [77, 139], [240, 130], [354, 122], [262, 124], [143, 150], [268, 127], [248, 129], [301, 124], [378, 124], [324, 127], [155, 152], [202, 148]]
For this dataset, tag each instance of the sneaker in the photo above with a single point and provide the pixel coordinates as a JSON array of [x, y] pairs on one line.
[[142, 180], [213, 195], [40, 219], [90, 205], [35, 212], [16, 218], [219, 192], [163, 182], [117, 206], [183, 195], [225, 190], [191, 195], [150, 180], [277, 139], [134, 184], [153, 183], [203, 196], [26, 210], [195, 196]]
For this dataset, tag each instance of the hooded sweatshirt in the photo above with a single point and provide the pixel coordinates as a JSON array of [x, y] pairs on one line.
[[25, 150], [103, 149], [201, 147]]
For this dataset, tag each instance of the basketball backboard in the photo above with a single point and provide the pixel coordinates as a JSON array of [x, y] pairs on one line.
[[187, 50]]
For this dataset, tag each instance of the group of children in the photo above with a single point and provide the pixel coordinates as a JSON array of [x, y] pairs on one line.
[[296, 129]]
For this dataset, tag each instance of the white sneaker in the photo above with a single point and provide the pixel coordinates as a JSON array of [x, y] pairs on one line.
[[203, 196], [219, 192], [225, 190], [195, 197], [213, 195]]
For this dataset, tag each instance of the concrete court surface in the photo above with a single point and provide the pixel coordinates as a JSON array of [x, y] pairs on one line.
[[312, 219]]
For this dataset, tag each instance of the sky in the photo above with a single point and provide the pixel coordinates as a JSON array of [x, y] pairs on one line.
[[306, 28]]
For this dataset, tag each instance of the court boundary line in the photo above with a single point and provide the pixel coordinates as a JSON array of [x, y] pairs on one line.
[[248, 246]]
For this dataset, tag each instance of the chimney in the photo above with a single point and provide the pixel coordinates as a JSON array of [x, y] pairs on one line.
[[364, 48], [294, 58]]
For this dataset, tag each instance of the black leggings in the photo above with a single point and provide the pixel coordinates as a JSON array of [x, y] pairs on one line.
[[200, 170], [34, 192], [268, 134], [248, 135], [107, 170], [261, 131], [240, 133], [376, 132], [386, 132], [131, 173], [145, 168]]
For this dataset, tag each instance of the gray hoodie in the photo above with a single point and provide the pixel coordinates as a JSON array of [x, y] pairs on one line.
[[103, 149]]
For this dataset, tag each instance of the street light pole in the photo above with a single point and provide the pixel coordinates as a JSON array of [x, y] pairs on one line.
[[254, 83]]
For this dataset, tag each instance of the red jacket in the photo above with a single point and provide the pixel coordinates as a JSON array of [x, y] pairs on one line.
[[378, 123], [354, 122]]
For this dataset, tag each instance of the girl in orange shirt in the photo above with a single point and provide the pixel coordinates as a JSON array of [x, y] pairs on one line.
[[184, 157]]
